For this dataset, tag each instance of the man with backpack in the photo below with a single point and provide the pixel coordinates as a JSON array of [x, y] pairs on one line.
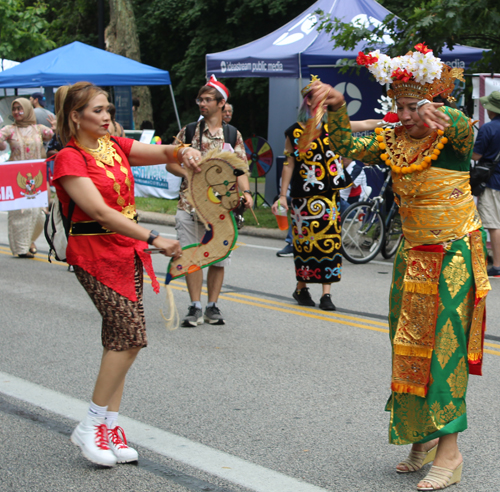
[[487, 148], [209, 132]]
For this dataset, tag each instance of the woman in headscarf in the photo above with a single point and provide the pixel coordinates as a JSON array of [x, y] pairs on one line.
[[438, 293], [26, 139]]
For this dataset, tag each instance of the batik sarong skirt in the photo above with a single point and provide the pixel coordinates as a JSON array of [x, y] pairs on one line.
[[123, 321], [316, 239], [417, 419]]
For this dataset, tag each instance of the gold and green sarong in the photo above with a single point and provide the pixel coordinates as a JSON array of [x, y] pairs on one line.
[[438, 294], [430, 372]]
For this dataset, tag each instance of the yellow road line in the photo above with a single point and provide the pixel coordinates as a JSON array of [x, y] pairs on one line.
[[265, 303], [488, 344], [284, 304], [6, 251], [493, 352], [302, 313]]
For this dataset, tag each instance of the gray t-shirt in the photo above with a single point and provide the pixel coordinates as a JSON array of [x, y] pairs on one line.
[[41, 115]]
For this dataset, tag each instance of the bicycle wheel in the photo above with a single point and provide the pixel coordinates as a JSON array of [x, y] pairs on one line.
[[363, 233], [393, 236]]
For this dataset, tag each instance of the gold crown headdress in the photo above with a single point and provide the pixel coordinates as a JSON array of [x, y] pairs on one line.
[[417, 74], [313, 129], [305, 90]]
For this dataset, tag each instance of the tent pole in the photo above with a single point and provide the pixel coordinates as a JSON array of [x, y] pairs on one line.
[[175, 107]]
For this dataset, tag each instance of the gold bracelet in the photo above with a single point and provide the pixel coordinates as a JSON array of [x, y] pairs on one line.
[[176, 151]]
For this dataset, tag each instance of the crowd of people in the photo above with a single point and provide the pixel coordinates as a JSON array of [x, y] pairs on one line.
[[440, 279]]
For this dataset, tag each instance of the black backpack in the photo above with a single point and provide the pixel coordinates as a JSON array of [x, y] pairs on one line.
[[230, 132], [481, 173]]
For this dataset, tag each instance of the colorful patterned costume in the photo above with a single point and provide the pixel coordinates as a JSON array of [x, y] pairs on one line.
[[439, 286], [317, 177]]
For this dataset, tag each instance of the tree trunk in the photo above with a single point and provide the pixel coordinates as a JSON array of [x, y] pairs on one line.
[[121, 38]]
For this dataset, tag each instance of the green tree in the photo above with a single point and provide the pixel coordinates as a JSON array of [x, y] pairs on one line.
[[23, 30], [437, 23], [177, 34], [74, 21]]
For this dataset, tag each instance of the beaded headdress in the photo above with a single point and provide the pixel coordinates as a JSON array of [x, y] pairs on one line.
[[418, 74]]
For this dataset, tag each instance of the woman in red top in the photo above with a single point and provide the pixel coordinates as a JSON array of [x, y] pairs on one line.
[[106, 247]]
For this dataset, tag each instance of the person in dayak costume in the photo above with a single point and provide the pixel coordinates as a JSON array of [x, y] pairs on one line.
[[315, 176], [438, 293]]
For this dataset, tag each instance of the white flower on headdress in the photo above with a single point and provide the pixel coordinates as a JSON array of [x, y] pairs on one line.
[[426, 67], [385, 103], [423, 67], [382, 68]]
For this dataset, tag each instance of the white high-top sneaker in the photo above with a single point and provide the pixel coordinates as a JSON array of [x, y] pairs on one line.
[[118, 444], [91, 435]]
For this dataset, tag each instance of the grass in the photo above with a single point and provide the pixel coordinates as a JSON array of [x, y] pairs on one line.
[[264, 215], [160, 205]]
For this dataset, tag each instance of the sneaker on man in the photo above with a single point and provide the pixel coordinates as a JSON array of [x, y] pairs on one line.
[[303, 297], [286, 251], [193, 318], [91, 436], [326, 304], [118, 444], [494, 271], [213, 316]]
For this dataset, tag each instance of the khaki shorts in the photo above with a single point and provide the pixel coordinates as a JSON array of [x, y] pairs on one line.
[[488, 206], [191, 231]]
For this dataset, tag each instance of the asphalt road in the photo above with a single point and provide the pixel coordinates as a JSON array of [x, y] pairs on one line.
[[280, 399]]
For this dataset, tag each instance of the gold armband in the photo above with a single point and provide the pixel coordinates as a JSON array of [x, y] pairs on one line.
[[176, 151]]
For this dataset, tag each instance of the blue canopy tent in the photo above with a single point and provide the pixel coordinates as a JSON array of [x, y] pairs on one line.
[[289, 55], [76, 62]]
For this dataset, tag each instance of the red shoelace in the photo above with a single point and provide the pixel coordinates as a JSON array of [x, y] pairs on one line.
[[101, 436], [118, 440]]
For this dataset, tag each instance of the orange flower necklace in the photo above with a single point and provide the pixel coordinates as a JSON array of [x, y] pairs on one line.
[[405, 155]]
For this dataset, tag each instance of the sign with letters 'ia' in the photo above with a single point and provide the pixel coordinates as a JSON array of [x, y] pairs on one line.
[[23, 184]]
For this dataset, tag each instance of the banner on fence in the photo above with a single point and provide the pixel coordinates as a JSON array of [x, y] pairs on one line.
[[155, 181], [23, 184]]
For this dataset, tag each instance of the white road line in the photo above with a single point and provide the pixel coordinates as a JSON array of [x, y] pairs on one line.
[[212, 461], [270, 248], [237, 244]]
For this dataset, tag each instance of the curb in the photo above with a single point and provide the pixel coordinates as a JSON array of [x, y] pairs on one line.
[[169, 220]]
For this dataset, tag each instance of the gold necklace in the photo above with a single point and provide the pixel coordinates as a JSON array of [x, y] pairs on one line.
[[105, 155], [405, 155]]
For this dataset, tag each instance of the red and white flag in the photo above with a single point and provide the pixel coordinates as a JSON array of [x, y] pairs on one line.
[[23, 184]]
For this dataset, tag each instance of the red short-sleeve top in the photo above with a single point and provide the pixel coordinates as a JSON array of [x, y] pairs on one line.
[[109, 258]]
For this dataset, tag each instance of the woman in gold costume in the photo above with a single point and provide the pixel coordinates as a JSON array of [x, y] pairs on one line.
[[439, 287]]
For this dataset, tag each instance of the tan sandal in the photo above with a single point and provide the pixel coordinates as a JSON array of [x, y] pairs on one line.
[[440, 478], [417, 459]]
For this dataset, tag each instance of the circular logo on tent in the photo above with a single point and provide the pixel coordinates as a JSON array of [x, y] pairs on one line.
[[223, 66], [352, 96], [297, 31]]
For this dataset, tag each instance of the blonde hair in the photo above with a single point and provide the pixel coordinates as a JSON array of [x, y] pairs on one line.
[[59, 97], [77, 98]]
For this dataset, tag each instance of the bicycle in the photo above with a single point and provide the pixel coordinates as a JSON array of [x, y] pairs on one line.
[[368, 230]]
